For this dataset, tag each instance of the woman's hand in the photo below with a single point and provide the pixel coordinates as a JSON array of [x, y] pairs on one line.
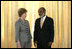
[[31, 43], [18, 43]]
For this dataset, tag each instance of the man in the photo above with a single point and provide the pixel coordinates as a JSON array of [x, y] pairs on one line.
[[44, 30]]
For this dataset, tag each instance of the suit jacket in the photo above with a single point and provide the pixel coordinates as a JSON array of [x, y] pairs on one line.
[[46, 33], [22, 31]]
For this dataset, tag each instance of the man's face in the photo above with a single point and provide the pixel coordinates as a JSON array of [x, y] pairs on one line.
[[41, 13]]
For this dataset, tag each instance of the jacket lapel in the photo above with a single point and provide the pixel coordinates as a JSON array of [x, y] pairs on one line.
[[21, 22]]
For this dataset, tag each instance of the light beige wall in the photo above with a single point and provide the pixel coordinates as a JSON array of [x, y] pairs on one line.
[[60, 11]]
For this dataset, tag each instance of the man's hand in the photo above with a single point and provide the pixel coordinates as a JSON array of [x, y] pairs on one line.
[[35, 43], [50, 43]]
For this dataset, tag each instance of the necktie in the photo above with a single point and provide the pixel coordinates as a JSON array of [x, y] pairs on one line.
[[41, 22]]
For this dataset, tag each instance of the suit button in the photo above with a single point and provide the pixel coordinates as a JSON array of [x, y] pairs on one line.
[[26, 27], [26, 30], [27, 34]]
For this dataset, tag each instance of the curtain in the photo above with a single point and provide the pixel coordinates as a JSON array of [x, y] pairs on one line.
[[60, 11]]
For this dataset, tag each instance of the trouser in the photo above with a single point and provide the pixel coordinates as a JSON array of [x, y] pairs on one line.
[[43, 45]]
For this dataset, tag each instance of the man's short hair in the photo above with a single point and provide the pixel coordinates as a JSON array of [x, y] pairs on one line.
[[42, 9]]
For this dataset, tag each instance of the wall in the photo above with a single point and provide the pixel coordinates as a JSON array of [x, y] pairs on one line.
[[60, 11]]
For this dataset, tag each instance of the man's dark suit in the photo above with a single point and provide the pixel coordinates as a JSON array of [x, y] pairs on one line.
[[45, 34]]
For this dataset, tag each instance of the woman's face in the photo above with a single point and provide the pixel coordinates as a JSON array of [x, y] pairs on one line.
[[24, 15]]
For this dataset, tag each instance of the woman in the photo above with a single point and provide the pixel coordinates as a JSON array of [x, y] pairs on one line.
[[22, 29]]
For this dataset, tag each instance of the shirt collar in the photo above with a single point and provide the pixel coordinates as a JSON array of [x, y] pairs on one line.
[[44, 17]]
